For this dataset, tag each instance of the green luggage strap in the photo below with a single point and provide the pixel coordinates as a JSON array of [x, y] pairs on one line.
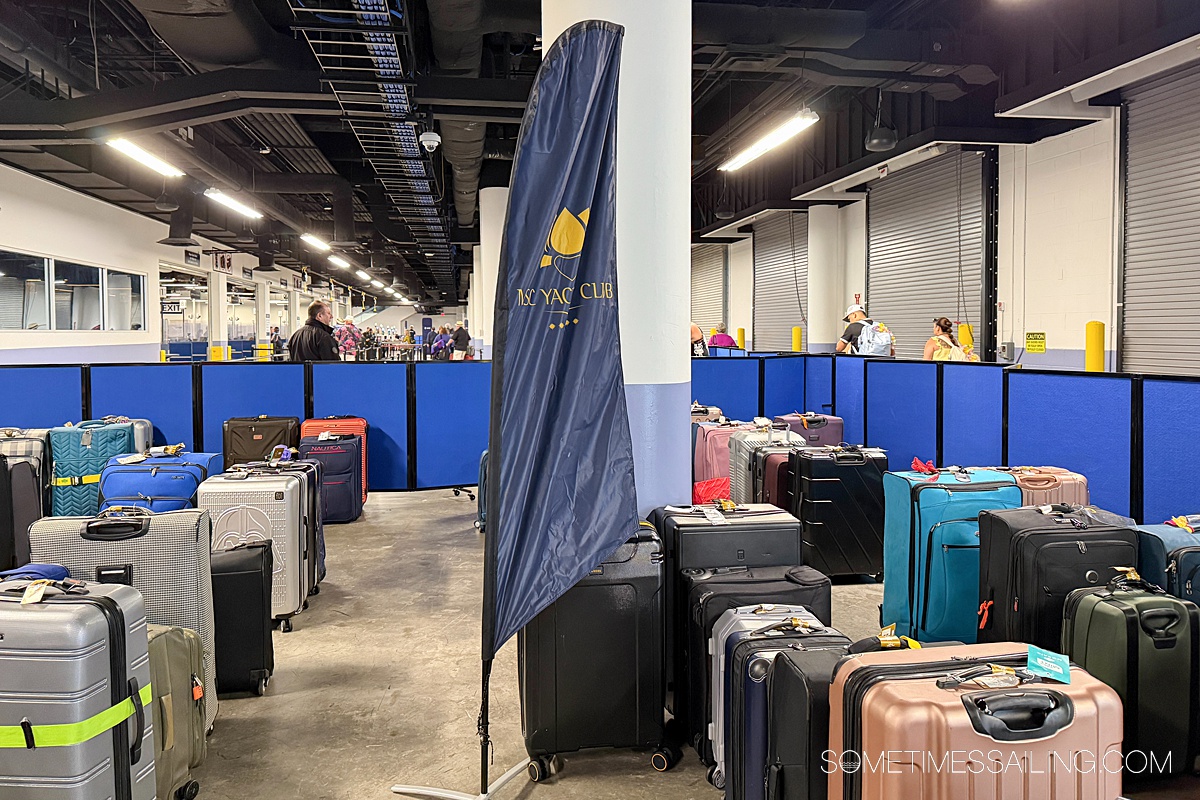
[[27, 736]]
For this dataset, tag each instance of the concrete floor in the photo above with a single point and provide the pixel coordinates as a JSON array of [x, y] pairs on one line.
[[379, 682]]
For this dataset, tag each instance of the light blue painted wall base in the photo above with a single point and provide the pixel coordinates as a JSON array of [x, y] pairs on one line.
[[1062, 359], [822, 348], [101, 354], [660, 423]]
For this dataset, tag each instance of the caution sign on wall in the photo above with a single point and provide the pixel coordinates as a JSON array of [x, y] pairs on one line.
[[1035, 342]]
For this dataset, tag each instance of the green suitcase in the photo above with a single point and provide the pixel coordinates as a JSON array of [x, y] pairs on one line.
[[176, 664], [1145, 644]]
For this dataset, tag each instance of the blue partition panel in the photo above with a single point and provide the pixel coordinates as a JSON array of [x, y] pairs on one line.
[[248, 390], [40, 397], [783, 385], [161, 393], [818, 384], [1171, 429], [850, 396], [972, 415], [901, 415], [1079, 422], [453, 405], [730, 384], [379, 394]]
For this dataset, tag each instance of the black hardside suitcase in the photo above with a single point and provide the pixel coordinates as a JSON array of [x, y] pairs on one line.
[[247, 439], [241, 581], [752, 661], [798, 722], [757, 536], [20, 506], [706, 594], [840, 495], [590, 666], [1031, 558]]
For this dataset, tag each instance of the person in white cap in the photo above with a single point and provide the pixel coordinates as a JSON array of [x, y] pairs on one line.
[[864, 336]]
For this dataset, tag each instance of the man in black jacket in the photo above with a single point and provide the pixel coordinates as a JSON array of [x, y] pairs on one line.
[[462, 342], [314, 341]]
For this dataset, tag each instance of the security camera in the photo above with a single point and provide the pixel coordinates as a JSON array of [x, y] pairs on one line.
[[430, 140]]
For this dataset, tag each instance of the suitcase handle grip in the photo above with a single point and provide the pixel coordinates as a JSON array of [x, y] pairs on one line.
[[115, 530], [139, 715], [1041, 481], [1019, 716], [849, 457], [1157, 623]]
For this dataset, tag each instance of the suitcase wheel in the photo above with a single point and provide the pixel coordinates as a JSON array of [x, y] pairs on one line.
[[315, 590], [664, 758], [286, 626], [305, 606], [188, 791], [261, 688], [716, 777], [541, 768]]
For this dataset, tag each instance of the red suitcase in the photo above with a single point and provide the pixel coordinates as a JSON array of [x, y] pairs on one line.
[[352, 425]]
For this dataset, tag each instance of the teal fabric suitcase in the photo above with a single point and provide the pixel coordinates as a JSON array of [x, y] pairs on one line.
[[931, 549], [79, 453]]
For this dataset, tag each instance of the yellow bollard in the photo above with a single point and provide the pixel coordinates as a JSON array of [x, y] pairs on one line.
[[712, 332], [797, 339], [162, 356], [1093, 354], [741, 338], [966, 335]]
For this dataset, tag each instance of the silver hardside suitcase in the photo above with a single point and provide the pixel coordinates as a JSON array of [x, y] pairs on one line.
[[165, 556], [143, 432], [741, 457], [65, 660], [249, 507]]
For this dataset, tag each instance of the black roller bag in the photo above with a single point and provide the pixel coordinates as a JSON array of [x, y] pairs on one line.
[[20, 506], [1031, 558], [840, 502], [710, 593], [241, 581], [590, 666]]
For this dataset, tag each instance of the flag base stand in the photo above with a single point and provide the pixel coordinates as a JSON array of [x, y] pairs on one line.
[[447, 794]]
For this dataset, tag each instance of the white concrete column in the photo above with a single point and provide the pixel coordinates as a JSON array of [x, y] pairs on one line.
[[473, 302], [825, 305], [218, 313], [297, 313], [741, 289], [653, 229], [493, 208], [854, 253], [262, 307]]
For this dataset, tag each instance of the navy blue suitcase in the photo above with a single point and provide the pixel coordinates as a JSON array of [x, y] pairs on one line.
[[750, 656], [341, 476], [1170, 557]]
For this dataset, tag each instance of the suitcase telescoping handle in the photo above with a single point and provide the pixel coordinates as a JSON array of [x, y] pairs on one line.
[[1019, 716]]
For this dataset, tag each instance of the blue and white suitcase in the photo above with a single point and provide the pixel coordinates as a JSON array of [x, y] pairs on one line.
[[79, 454], [931, 549], [750, 655], [737, 624], [341, 474], [157, 482], [1170, 557]]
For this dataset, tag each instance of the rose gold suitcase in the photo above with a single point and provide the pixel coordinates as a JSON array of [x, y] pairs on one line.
[[924, 725], [1041, 486]]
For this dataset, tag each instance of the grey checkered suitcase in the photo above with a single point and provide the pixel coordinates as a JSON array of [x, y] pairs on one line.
[[66, 659], [250, 507], [30, 444], [165, 556], [741, 457]]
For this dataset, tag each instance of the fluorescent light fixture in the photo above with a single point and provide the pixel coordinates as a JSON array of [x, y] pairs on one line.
[[339, 262], [142, 157], [377, 284], [806, 118], [363, 275], [233, 205], [313, 241]]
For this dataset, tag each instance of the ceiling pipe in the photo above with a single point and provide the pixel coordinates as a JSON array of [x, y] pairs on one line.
[[179, 233], [380, 207], [334, 185]]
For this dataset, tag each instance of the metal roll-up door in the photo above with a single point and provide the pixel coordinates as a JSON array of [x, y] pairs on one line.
[[780, 280], [708, 286], [925, 257], [1162, 225]]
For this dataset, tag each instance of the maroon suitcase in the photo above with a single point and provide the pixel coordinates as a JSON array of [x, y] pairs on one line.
[[777, 480], [817, 429]]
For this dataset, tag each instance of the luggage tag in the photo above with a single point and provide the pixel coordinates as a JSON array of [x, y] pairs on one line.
[[136, 458], [713, 516], [1001, 678], [34, 592], [325, 436], [1047, 664]]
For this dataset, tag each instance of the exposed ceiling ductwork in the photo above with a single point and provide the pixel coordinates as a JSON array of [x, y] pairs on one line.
[[334, 185], [739, 24]]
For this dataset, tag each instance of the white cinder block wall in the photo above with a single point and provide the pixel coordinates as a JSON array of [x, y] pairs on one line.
[[741, 289], [1057, 242]]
